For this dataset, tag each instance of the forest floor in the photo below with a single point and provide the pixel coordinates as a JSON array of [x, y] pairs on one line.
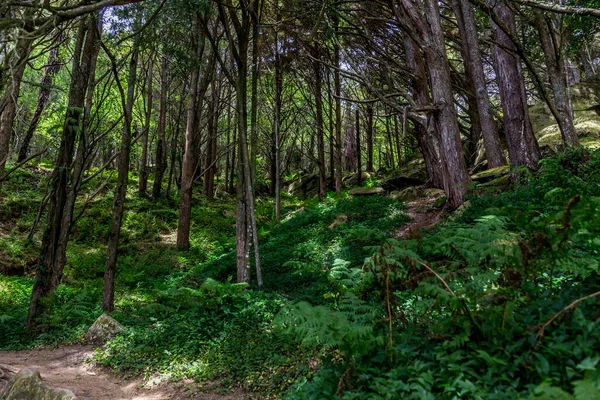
[[69, 367], [423, 216]]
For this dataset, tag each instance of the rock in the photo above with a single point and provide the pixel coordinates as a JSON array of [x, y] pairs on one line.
[[102, 330], [433, 192], [412, 174], [460, 210], [339, 220], [27, 384], [407, 194], [228, 213], [366, 191], [491, 174], [304, 186], [6, 374], [350, 180]]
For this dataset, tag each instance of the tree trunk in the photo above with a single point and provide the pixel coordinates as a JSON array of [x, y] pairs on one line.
[[424, 127], [188, 167], [110, 267], [277, 122], [318, 93], [455, 173], [143, 179], [211, 147], [521, 143], [8, 106], [552, 45], [160, 163], [369, 138], [475, 74], [338, 114], [358, 150], [63, 190], [53, 66]]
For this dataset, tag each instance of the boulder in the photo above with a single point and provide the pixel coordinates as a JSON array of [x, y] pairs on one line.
[[433, 192], [407, 194], [27, 384], [413, 173], [304, 186], [491, 174], [104, 329], [350, 180], [366, 191], [339, 220]]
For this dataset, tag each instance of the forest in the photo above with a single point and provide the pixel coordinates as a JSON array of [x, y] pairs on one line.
[[320, 199]]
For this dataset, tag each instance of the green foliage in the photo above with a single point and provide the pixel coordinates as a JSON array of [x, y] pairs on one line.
[[463, 310]]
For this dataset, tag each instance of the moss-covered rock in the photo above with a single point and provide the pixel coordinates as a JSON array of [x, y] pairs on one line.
[[102, 330], [27, 384], [491, 174], [407, 194], [366, 191]]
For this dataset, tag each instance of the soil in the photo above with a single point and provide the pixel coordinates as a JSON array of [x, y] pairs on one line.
[[69, 368], [423, 215]]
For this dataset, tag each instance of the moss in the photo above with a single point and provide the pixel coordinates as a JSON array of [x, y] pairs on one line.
[[28, 384]]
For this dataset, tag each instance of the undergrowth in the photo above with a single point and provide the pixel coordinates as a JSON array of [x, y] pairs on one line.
[[498, 303]]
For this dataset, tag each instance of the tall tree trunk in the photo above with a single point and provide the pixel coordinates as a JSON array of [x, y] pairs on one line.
[[521, 143], [53, 66], [211, 147], [369, 138], [457, 179], [424, 127], [8, 105], [338, 114], [228, 145], [358, 150], [143, 179], [254, 89], [552, 45], [475, 74], [63, 190], [188, 167], [318, 93], [161, 148], [277, 121], [110, 267]]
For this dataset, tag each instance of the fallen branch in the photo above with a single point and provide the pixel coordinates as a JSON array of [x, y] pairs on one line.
[[543, 327], [25, 161]]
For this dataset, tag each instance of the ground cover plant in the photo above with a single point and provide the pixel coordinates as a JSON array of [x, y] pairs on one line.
[[500, 301]]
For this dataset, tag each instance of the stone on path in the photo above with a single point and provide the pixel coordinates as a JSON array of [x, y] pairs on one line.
[[27, 384], [104, 329]]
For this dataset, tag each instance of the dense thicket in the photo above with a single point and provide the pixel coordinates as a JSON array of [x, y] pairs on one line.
[[233, 101]]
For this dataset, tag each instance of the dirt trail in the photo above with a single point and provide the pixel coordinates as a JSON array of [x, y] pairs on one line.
[[67, 367], [423, 214]]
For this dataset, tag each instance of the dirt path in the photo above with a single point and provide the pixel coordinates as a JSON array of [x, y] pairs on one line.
[[423, 214], [67, 367]]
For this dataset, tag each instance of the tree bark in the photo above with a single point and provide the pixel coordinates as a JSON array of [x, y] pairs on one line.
[[318, 93], [63, 190], [475, 74], [358, 150], [160, 163], [8, 106], [521, 143], [188, 167], [552, 46], [53, 66], [369, 138], [338, 114], [143, 179], [110, 267]]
